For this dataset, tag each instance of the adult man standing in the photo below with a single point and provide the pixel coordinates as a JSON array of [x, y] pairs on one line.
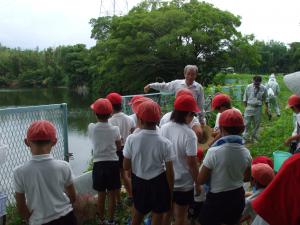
[[190, 74], [273, 91], [254, 96]]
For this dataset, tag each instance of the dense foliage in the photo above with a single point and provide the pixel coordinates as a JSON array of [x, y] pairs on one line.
[[154, 41]]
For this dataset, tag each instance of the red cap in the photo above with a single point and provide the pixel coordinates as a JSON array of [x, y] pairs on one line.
[[149, 111], [219, 100], [263, 159], [102, 106], [231, 118], [200, 154], [114, 98], [41, 130], [184, 91], [262, 173], [186, 103], [135, 105], [293, 101], [134, 98]]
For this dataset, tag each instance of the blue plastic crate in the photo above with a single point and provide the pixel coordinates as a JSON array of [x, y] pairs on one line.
[[3, 199]]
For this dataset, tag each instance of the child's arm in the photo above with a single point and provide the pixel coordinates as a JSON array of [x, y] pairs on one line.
[[170, 175], [119, 145], [22, 207], [288, 141], [247, 174], [192, 164], [126, 164], [204, 174], [70, 191]]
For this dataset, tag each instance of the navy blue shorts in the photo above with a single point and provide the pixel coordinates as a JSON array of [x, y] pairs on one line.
[[183, 197], [69, 219], [151, 195], [223, 208], [106, 176]]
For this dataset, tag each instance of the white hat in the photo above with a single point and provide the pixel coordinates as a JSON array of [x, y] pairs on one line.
[[272, 76], [292, 81]]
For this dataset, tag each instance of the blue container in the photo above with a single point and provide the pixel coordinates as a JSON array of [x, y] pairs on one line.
[[279, 158]]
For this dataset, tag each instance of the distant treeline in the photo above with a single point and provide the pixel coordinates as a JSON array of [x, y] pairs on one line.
[[154, 41]]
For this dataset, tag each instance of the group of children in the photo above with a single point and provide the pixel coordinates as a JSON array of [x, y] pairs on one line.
[[158, 166]]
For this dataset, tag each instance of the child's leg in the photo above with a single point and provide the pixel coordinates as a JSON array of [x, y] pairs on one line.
[[180, 214], [157, 218], [167, 218], [111, 204], [127, 182], [101, 204], [137, 218]]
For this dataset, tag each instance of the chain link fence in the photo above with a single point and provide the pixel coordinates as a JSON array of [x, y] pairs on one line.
[[14, 123]]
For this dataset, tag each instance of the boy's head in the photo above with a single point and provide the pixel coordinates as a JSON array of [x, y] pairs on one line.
[[136, 104], [221, 102], [294, 103], [262, 174], [263, 159], [134, 98], [231, 122], [149, 114], [102, 108], [116, 101], [41, 133], [185, 107], [183, 91], [257, 80]]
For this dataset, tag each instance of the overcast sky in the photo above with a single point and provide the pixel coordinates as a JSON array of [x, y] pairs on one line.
[[50, 23]]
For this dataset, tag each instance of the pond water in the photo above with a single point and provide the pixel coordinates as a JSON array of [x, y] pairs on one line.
[[79, 116]]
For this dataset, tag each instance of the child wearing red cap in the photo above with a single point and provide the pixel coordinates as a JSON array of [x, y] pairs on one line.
[[261, 176], [227, 164], [106, 140], [185, 164], [149, 156], [220, 103], [126, 126], [44, 186], [294, 104]]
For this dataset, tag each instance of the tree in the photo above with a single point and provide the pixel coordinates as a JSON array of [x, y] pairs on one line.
[[158, 41]]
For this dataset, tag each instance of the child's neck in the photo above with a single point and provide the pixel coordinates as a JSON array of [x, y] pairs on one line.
[[148, 127], [102, 120]]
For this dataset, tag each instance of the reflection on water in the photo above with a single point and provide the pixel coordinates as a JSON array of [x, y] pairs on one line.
[[79, 116]]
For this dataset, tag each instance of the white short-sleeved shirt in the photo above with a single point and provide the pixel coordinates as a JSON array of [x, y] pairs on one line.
[[217, 124], [43, 181], [167, 118], [125, 124], [228, 163], [185, 144], [134, 119], [148, 152], [104, 137]]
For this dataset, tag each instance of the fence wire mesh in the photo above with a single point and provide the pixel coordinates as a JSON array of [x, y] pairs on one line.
[[14, 123]]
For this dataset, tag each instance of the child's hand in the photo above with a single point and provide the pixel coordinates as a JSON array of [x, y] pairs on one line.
[[198, 190], [288, 141]]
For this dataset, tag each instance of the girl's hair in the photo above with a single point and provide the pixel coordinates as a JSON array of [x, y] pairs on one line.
[[227, 105], [103, 116], [179, 116], [117, 107]]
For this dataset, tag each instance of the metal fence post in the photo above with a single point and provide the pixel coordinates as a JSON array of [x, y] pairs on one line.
[[65, 131]]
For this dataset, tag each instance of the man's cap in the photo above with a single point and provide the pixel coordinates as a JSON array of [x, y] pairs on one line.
[[220, 100], [135, 105], [41, 130], [134, 98], [231, 118], [262, 173], [114, 98], [149, 111], [186, 103], [263, 159], [183, 91], [293, 101], [102, 106], [200, 154]]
